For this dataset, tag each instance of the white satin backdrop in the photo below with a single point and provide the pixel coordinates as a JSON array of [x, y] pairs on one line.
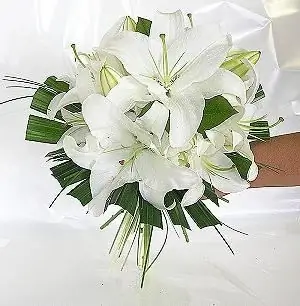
[[59, 256]]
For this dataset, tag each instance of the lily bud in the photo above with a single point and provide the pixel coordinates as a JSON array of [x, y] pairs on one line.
[[129, 24], [234, 61], [108, 78]]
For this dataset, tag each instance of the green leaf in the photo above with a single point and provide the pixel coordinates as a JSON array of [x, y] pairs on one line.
[[58, 86], [43, 96], [234, 61], [82, 192], [113, 197], [216, 111], [176, 214], [242, 163], [57, 155], [210, 194], [143, 26], [128, 197], [68, 173], [149, 214], [260, 94], [44, 130], [201, 215], [259, 130]]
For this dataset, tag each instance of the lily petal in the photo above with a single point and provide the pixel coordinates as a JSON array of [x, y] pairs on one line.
[[79, 133], [107, 175], [204, 65], [112, 32], [132, 49], [193, 195], [110, 125], [171, 24], [226, 181], [155, 119], [159, 175], [127, 92], [186, 110], [216, 138], [187, 46], [62, 100], [84, 84], [253, 83], [224, 82], [153, 196], [85, 156]]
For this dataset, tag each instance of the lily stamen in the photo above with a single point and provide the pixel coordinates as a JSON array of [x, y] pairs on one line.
[[73, 46], [190, 16], [165, 59], [280, 120]]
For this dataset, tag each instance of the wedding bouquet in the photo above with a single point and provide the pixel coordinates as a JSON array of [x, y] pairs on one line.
[[158, 117]]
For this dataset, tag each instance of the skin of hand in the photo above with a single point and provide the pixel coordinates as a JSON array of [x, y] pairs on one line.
[[282, 153]]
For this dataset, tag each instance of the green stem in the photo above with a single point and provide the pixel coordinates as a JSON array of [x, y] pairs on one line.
[[112, 218], [147, 235]]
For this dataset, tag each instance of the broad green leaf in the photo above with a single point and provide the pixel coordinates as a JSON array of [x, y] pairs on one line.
[[45, 94], [58, 86], [113, 197], [234, 61], [143, 26], [149, 214], [68, 173], [210, 194], [259, 130], [44, 130], [260, 94], [216, 111], [201, 215], [128, 197], [242, 163], [176, 214], [82, 192]]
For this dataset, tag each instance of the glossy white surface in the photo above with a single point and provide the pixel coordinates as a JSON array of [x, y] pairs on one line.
[[59, 257]]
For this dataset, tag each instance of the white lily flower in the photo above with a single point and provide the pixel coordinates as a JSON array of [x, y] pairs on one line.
[[232, 136], [125, 154], [78, 130], [214, 166], [180, 66]]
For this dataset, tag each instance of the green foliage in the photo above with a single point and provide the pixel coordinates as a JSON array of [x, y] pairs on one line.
[[82, 192], [143, 26], [242, 163], [149, 214], [216, 111], [201, 215], [128, 197], [259, 130], [43, 96], [44, 130], [260, 94], [68, 173], [210, 194], [176, 214]]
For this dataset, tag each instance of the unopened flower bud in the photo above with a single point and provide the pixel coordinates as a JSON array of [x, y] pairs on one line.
[[129, 24], [108, 78]]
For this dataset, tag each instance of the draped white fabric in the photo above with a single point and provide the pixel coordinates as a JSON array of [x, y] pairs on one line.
[[59, 256]]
